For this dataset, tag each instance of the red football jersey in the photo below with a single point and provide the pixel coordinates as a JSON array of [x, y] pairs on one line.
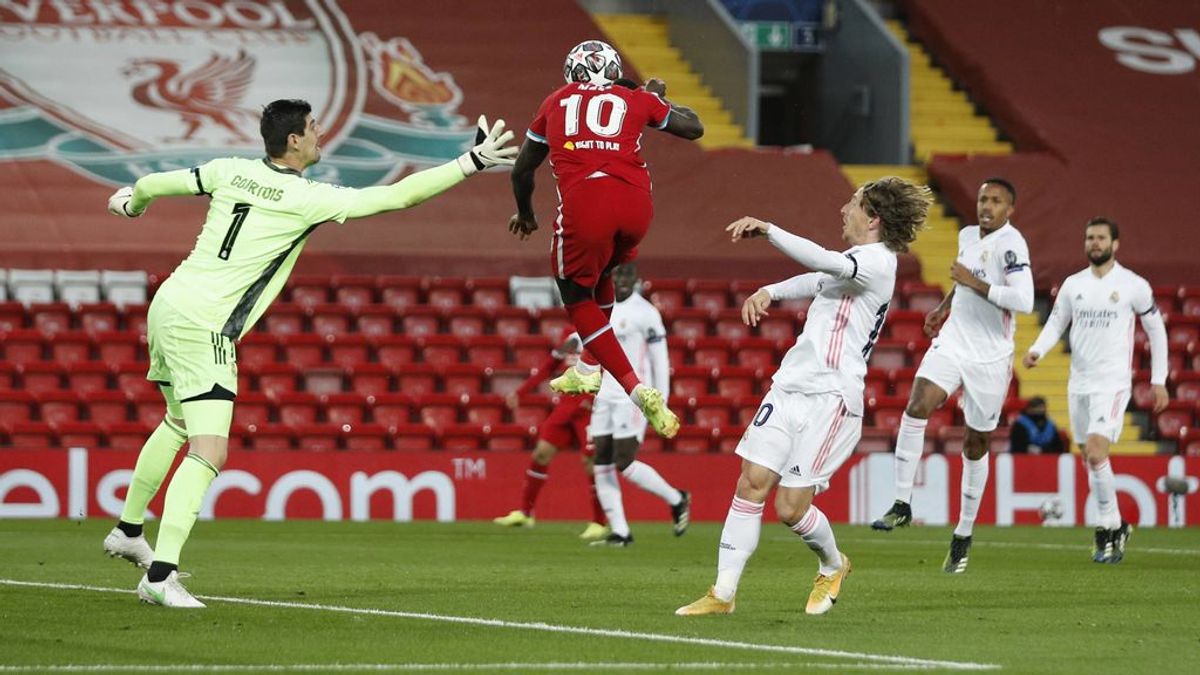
[[591, 128]]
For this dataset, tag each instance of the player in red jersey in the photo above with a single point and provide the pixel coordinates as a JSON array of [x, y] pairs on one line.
[[566, 425], [591, 129]]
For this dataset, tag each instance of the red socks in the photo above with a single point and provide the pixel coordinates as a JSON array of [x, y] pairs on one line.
[[600, 341], [535, 478]]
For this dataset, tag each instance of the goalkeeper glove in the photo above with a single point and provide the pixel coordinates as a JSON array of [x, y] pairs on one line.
[[118, 203], [490, 149]]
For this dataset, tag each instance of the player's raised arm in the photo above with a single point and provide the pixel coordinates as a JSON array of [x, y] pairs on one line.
[[132, 202], [681, 121], [490, 150], [803, 251], [801, 286]]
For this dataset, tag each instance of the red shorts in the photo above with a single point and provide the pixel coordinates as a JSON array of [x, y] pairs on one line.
[[600, 223], [566, 425]]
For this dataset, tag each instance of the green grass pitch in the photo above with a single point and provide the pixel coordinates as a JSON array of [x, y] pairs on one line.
[[472, 597]]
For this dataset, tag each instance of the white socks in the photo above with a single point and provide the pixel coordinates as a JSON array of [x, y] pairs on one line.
[[974, 480], [739, 538], [910, 445], [644, 476], [814, 529], [1104, 486], [608, 491]]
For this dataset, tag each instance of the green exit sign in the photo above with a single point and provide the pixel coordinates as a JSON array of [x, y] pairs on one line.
[[768, 34]]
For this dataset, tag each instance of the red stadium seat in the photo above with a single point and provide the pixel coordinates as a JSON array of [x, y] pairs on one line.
[[710, 352], [1181, 331], [257, 349], [488, 294], [133, 318], [23, 346], [414, 437], [98, 317], [446, 293], [468, 321], [796, 306], [438, 410], [1171, 423], [1142, 395], [367, 437], [554, 323], [275, 378], [322, 381], [735, 382], [329, 320], [50, 317], [486, 351], [727, 438], [396, 351], [303, 350], [690, 381], [779, 328], [728, 324], [58, 406], [950, 438], [905, 325], [440, 350], [297, 408], [283, 319], [308, 290], [1000, 440], [128, 435], [530, 351], [653, 443], [375, 320], [317, 437], [31, 435], [269, 437], [149, 408], [532, 410], [713, 411], [12, 316], [505, 381], [902, 381], [113, 347], [875, 439], [463, 437], [70, 347], [399, 292], [920, 297], [353, 291], [16, 406], [486, 409], [506, 437], [39, 377], [886, 412], [417, 379], [693, 441], [688, 324], [941, 418], [875, 385], [106, 407], [512, 322], [1187, 386], [348, 409], [755, 353], [391, 410], [419, 321], [347, 351], [251, 408], [87, 378], [747, 408], [1167, 298], [463, 379], [79, 434], [8, 376], [669, 295], [709, 295], [889, 355]]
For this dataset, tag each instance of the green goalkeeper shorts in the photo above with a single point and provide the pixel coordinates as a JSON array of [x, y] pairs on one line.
[[191, 359]]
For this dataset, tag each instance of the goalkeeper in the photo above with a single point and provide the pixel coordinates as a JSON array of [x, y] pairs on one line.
[[260, 214]]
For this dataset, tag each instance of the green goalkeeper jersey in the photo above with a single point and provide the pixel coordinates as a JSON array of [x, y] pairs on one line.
[[259, 218]]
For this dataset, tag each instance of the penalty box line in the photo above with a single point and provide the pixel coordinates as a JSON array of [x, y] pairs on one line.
[[551, 628]]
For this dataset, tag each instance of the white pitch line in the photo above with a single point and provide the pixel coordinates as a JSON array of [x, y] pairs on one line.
[[417, 667], [552, 628], [1005, 544]]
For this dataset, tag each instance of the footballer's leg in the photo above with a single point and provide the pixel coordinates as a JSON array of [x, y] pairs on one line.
[[646, 477], [974, 481], [926, 397], [796, 510], [608, 489], [1100, 476], [535, 478], [597, 528]]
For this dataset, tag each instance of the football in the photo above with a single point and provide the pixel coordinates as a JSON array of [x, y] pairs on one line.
[[1050, 510], [592, 62]]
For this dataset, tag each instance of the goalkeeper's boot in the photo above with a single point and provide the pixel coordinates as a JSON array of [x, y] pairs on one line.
[[168, 592], [574, 382], [681, 514], [709, 604], [655, 409], [515, 519], [900, 515], [134, 549], [956, 559], [615, 540], [826, 589], [1102, 545], [1119, 537], [595, 531]]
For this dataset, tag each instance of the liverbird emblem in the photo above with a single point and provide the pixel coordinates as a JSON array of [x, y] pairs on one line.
[[209, 93]]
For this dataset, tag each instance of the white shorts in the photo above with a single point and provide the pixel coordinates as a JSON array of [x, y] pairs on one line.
[[802, 437], [984, 385], [1100, 414], [618, 418]]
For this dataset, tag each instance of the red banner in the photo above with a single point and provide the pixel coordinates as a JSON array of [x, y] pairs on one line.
[[448, 487]]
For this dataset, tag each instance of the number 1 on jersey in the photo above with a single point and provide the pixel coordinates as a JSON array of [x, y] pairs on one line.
[[240, 211], [594, 109]]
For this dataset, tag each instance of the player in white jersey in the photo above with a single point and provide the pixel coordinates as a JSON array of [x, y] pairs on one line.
[[260, 213], [1100, 303], [811, 419], [972, 350], [618, 426]]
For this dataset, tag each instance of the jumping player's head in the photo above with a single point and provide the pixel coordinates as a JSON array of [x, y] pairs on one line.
[[1100, 240], [625, 278], [592, 62], [995, 205], [290, 132], [890, 210]]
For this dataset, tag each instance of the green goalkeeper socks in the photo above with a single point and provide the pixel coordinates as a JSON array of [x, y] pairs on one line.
[[184, 496], [152, 466]]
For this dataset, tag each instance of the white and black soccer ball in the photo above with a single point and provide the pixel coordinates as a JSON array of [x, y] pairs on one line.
[[593, 62], [1051, 510]]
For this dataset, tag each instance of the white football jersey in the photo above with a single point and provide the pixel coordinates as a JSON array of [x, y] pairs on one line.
[[844, 321], [638, 326], [1100, 311], [977, 329]]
